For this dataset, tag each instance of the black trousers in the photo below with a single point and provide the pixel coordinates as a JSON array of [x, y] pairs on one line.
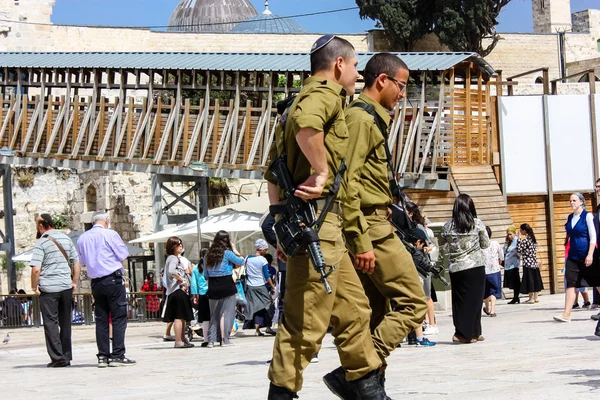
[[109, 297], [56, 312]]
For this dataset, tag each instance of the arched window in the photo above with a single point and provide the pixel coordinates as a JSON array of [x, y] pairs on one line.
[[90, 198], [539, 79]]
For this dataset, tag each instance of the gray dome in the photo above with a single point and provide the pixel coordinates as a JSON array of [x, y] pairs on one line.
[[189, 15], [267, 22]]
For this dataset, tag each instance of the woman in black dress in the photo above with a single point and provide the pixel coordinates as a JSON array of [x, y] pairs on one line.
[[532, 279], [178, 307]]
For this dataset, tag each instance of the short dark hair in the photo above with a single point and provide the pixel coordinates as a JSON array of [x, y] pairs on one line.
[[382, 63], [269, 258], [46, 221], [322, 59]]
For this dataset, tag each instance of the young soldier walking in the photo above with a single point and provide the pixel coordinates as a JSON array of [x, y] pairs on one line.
[[388, 274], [315, 140]]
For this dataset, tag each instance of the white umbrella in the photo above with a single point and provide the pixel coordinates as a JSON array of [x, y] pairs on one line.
[[237, 223]]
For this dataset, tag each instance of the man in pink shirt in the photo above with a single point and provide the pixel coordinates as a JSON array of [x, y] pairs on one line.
[[102, 250]]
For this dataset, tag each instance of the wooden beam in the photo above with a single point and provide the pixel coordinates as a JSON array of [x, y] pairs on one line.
[[32, 124], [166, 134], [67, 128], [436, 142], [205, 139], [61, 113], [130, 124], [200, 122], [87, 118], [468, 113], [140, 129], [43, 124], [420, 126], [118, 143], [481, 125], [95, 128], [180, 132]]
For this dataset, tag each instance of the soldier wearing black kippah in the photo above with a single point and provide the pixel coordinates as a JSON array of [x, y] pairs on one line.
[[315, 140]]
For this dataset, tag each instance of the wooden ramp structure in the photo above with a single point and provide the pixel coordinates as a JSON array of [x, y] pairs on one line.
[[479, 182]]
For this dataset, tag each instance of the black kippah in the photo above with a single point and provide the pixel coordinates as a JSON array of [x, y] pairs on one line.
[[321, 42]]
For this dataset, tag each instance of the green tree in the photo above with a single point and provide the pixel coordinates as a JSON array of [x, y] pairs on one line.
[[406, 21], [462, 25]]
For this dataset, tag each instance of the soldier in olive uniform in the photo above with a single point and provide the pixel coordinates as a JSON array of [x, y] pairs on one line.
[[315, 140], [390, 278]]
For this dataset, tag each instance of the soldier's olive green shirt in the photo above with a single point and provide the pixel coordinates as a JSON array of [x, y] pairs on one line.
[[319, 106], [368, 184]]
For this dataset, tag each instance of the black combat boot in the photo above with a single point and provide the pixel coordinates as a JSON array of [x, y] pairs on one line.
[[369, 387], [337, 383], [280, 393]]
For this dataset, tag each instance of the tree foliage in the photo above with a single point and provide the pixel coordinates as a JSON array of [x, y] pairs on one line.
[[462, 25]]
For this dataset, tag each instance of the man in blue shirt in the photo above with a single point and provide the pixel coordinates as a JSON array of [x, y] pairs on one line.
[[102, 250]]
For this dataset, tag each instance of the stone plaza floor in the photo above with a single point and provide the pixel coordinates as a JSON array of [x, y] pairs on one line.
[[526, 355]]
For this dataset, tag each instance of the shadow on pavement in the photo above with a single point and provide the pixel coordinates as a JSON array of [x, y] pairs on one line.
[[248, 363], [43, 366], [590, 338], [587, 373]]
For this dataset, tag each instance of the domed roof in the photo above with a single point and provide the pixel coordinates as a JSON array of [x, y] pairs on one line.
[[267, 22], [217, 16]]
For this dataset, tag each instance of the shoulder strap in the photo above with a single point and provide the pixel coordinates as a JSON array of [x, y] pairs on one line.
[[388, 154], [62, 250]]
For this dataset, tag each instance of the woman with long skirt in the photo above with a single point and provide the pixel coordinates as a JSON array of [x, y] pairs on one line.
[[463, 238], [512, 280], [532, 283]]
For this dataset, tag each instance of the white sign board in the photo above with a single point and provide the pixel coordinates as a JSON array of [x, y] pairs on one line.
[[522, 136], [570, 143]]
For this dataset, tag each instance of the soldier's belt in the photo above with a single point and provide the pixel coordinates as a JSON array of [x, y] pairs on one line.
[[336, 206], [375, 210]]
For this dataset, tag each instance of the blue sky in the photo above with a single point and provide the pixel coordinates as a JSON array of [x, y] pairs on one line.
[[516, 17]]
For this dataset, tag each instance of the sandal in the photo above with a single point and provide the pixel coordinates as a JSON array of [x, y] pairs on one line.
[[486, 311], [259, 333]]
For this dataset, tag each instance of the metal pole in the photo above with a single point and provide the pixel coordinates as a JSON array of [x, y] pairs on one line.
[[198, 217], [159, 248], [9, 243]]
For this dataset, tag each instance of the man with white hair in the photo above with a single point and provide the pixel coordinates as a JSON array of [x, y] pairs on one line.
[[102, 250]]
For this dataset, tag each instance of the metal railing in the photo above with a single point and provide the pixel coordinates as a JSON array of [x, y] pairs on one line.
[[23, 310]]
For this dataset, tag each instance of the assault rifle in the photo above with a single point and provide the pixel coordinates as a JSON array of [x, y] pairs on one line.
[[298, 225]]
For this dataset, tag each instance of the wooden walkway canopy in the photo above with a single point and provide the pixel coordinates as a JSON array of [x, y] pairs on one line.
[[161, 112]]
